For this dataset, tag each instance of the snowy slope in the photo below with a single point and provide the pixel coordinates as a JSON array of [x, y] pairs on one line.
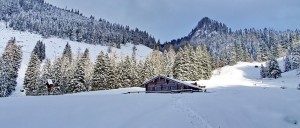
[[234, 101], [245, 74], [55, 46]]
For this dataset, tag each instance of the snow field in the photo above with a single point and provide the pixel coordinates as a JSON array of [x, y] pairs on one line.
[[239, 103], [238, 98], [233, 107]]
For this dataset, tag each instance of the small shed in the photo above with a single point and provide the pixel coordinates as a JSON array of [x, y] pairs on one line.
[[163, 83], [50, 85]]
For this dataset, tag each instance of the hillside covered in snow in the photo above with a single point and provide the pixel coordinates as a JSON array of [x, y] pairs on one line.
[[237, 98], [91, 65], [48, 20], [55, 47]]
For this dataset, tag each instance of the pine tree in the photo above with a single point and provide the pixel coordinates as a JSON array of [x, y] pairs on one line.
[[295, 57], [206, 63], [234, 54], [134, 70], [140, 72], [262, 54], [111, 74], [245, 53], [147, 72], [116, 68], [168, 60], [181, 66], [194, 65], [67, 53], [40, 50], [32, 75], [156, 58], [57, 73], [99, 80], [88, 69], [78, 81], [262, 71], [126, 72], [274, 51], [45, 75], [10, 63], [273, 69], [224, 58], [287, 64]]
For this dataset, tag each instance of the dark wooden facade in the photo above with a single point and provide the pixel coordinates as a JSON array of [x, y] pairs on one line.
[[166, 84], [50, 85]]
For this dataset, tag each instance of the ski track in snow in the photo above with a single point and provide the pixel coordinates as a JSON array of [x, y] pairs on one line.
[[196, 120]]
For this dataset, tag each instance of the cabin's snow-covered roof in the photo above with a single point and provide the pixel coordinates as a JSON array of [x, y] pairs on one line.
[[178, 81], [49, 81]]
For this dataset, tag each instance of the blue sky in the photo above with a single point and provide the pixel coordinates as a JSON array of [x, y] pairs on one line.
[[172, 19]]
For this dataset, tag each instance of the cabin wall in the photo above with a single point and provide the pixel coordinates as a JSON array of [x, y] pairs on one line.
[[164, 85]]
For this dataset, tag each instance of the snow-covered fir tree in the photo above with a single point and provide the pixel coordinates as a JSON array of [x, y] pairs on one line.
[[99, 80], [273, 69], [134, 69], [40, 50], [274, 51], [57, 74], [140, 72], [287, 64], [78, 83], [88, 69], [263, 72], [157, 61], [181, 65], [147, 72], [295, 57], [127, 75], [245, 53], [32, 76], [116, 66], [45, 76], [67, 53], [10, 63], [111, 74], [205, 59], [168, 60], [194, 65], [235, 53], [262, 54]]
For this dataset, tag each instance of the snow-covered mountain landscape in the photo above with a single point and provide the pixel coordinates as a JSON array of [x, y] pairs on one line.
[[61, 68], [55, 47], [237, 98]]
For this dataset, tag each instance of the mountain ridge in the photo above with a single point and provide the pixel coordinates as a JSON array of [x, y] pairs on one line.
[[228, 47], [208, 24], [48, 20]]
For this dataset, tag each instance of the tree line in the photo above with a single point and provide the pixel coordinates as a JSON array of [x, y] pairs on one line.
[[40, 17], [110, 71], [227, 47]]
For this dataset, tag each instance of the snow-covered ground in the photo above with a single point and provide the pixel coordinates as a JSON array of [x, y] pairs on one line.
[[55, 46], [237, 99]]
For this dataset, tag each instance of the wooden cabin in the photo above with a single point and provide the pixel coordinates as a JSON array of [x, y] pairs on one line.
[[50, 85], [166, 84]]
